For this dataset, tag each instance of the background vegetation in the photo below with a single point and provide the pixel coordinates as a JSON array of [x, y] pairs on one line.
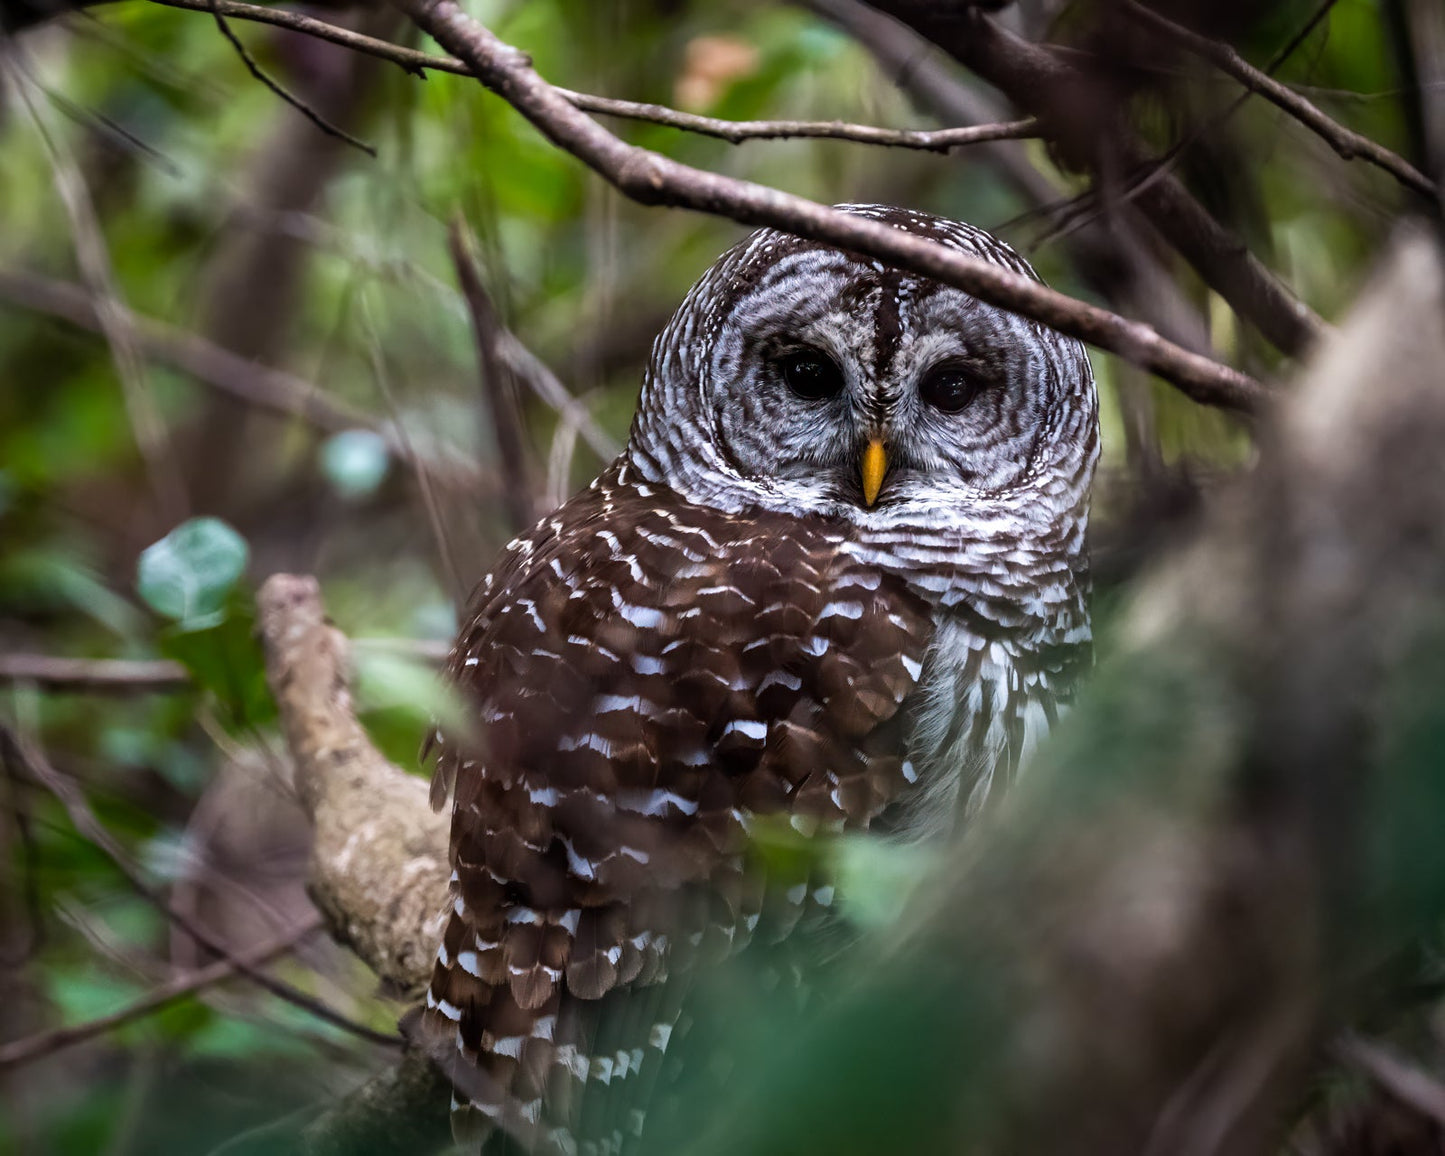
[[151, 186]]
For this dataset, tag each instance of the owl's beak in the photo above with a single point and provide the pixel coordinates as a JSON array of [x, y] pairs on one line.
[[874, 466]]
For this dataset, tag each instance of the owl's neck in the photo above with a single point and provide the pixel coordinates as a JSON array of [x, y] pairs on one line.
[[1019, 558]]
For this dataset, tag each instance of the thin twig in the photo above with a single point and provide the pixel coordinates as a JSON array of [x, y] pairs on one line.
[[732, 131], [269, 389], [650, 178], [1064, 97], [93, 259], [939, 140], [295, 102], [498, 394], [38, 768], [47, 1043], [1078, 211], [1346, 142]]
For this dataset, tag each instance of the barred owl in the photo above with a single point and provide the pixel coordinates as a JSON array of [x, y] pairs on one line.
[[837, 576]]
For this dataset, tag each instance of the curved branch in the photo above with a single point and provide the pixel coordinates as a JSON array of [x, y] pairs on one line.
[[379, 863], [1346, 142], [652, 179]]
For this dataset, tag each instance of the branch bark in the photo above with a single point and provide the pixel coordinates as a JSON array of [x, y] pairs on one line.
[[1042, 84], [379, 863], [650, 178], [1349, 144]]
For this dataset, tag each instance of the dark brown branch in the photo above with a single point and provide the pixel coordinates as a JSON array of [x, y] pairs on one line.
[[46, 1043], [498, 394], [37, 768], [1346, 142], [1043, 84], [732, 131], [650, 178], [295, 102]]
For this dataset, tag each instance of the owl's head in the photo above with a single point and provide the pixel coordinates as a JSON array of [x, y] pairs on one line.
[[802, 379]]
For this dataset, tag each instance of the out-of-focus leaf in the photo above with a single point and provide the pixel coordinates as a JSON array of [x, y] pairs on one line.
[[401, 700], [876, 876], [224, 656], [189, 572]]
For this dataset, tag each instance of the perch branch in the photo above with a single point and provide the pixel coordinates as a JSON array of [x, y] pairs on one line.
[[650, 178], [379, 862]]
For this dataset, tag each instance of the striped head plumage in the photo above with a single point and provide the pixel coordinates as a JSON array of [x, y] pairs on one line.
[[837, 576]]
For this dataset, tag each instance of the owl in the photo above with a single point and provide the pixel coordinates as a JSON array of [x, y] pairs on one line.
[[837, 578]]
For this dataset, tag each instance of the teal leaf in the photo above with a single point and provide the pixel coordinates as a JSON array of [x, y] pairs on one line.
[[189, 572]]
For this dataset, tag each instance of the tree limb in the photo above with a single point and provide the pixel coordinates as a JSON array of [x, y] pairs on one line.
[[1346, 142], [1054, 91], [379, 862], [650, 178]]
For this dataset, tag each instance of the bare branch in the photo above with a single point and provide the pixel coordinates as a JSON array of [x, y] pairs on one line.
[[103, 675], [18, 754], [269, 389], [379, 863], [650, 178], [1346, 142], [498, 395], [732, 131], [1042, 83], [295, 102], [45, 1043], [939, 140]]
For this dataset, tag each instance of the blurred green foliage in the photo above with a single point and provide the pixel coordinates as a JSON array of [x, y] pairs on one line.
[[197, 172]]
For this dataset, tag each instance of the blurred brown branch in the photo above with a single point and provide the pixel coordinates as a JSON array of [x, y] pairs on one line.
[[45, 1043], [1349, 144], [102, 675], [1070, 113], [498, 392], [147, 676], [264, 388], [20, 755]]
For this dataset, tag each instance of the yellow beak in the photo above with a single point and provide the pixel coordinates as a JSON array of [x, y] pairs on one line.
[[875, 465]]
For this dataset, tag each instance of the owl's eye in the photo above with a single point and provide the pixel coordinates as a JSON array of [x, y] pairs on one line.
[[811, 375], [950, 388]]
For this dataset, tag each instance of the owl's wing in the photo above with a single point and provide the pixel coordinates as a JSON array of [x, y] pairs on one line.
[[649, 676]]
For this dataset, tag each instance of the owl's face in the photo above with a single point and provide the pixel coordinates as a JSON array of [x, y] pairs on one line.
[[803, 379]]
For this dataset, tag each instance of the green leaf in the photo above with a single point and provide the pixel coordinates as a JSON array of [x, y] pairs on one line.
[[189, 572], [224, 656], [400, 700]]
